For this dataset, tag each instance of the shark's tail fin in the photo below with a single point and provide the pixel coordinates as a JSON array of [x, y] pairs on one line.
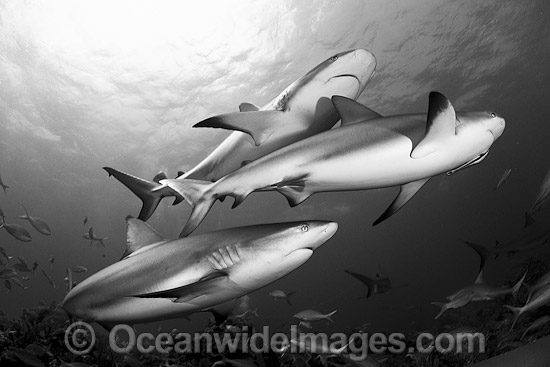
[[481, 250], [197, 194], [329, 316], [149, 192], [443, 308], [517, 313]]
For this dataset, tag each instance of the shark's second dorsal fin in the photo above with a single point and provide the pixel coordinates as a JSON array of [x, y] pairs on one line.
[[352, 112], [479, 279], [440, 125], [248, 107], [260, 125], [139, 234]]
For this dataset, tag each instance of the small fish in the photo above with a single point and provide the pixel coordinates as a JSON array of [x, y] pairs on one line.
[[312, 315], [5, 254], [38, 223], [278, 294], [84, 221], [306, 324], [7, 273], [69, 280], [7, 284], [4, 186], [52, 260], [92, 237], [22, 261], [50, 280], [21, 267], [3, 262], [18, 283], [34, 267], [503, 179], [541, 321], [79, 269], [543, 197], [16, 231], [25, 278], [247, 314]]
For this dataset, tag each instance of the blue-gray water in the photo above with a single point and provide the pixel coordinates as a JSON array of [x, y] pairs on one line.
[[90, 84]]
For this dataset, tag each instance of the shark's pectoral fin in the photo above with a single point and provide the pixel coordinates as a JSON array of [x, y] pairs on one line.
[[440, 125], [139, 234], [406, 192], [352, 112], [248, 107], [190, 292], [260, 125], [294, 189]]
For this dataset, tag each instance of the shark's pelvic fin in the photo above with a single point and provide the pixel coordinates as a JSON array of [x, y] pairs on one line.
[[260, 125], [195, 192], [294, 189], [440, 125], [191, 291], [352, 112], [248, 107], [406, 192], [139, 234]]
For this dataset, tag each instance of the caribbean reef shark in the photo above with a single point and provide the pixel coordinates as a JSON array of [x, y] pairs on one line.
[[368, 151], [160, 279], [301, 110]]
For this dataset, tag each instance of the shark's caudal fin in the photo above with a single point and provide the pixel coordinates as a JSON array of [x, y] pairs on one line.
[[481, 250], [440, 125], [260, 125], [406, 192], [195, 192], [149, 192]]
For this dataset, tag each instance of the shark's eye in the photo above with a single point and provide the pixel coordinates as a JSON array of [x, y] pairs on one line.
[[493, 115], [304, 227], [334, 58]]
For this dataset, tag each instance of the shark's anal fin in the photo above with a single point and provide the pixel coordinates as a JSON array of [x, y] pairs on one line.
[[260, 125], [191, 291], [352, 112], [440, 125], [139, 234], [248, 107], [406, 192]]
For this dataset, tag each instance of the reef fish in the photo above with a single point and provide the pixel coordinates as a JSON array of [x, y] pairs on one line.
[[38, 223], [312, 315]]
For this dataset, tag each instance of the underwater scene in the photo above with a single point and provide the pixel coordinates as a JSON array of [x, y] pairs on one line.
[[274, 183]]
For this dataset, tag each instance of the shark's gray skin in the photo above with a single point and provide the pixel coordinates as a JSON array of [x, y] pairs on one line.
[[38, 223], [301, 110], [160, 279], [367, 152]]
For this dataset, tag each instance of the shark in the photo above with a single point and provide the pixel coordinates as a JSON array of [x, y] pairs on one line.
[[368, 151], [160, 279], [302, 109], [379, 285]]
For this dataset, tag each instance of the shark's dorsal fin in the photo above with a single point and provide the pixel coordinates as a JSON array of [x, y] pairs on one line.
[[440, 125], [248, 107], [260, 125], [352, 112], [159, 176], [479, 279], [406, 192], [139, 234], [188, 292]]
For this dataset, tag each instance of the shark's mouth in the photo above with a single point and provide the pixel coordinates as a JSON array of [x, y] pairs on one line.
[[471, 162], [359, 85]]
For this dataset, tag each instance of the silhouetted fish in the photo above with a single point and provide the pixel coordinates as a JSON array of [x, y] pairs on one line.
[[3, 185], [16, 231], [79, 269], [5, 254], [543, 197], [38, 223], [49, 278], [278, 294], [7, 273], [503, 179], [7, 284]]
